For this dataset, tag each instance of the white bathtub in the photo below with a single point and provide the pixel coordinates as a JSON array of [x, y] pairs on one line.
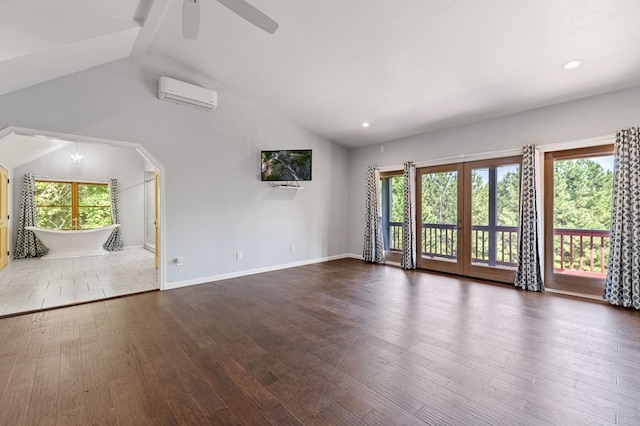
[[65, 244]]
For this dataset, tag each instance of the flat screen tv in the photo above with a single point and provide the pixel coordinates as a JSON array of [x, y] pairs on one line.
[[285, 165]]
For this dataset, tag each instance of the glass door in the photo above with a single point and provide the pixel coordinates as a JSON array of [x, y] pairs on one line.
[[492, 203], [467, 217], [392, 189], [578, 197], [439, 221]]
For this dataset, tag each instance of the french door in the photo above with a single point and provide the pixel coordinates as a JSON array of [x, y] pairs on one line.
[[467, 216]]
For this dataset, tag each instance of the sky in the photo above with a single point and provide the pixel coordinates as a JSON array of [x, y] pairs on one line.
[[606, 162]]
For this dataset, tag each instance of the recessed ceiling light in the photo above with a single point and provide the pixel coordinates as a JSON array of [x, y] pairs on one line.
[[572, 64], [365, 124]]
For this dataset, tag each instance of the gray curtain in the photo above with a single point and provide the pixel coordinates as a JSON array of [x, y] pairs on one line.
[[27, 244], [114, 242], [622, 285], [373, 249], [528, 274], [409, 220]]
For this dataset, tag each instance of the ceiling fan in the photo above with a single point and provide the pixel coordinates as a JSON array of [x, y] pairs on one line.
[[191, 16]]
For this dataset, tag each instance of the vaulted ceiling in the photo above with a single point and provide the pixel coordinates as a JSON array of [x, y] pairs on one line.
[[405, 67]]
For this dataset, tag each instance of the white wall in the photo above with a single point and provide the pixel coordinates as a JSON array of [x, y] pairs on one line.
[[100, 163], [587, 118], [215, 204]]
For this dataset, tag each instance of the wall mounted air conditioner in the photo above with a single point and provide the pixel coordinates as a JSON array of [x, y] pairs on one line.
[[186, 94]]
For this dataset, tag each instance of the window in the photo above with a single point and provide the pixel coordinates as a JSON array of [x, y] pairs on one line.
[[72, 205], [392, 214], [578, 190]]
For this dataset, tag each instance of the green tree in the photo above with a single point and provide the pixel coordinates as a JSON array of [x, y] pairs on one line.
[[508, 202], [480, 197], [94, 206], [54, 204], [582, 200], [440, 198], [397, 198], [582, 194], [53, 201]]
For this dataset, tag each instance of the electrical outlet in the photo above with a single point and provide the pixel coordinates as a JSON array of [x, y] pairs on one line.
[[293, 248], [238, 255], [179, 261]]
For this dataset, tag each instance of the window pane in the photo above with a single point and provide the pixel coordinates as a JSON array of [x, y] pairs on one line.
[[93, 195], [440, 197], [396, 210], [94, 217], [582, 193], [54, 217], [480, 197], [439, 215], [397, 199], [53, 194], [508, 194], [582, 215]]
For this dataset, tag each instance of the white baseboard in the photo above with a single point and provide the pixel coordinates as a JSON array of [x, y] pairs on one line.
[[220, 277], [360, 257], [133, 247], [574, 294]]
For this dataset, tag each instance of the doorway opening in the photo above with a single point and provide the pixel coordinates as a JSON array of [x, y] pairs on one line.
[[46, 154]]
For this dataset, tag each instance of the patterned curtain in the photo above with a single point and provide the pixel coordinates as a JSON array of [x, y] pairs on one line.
[[528, 275], [27, 244], [373, 250], [114, 242], [622, 285], [409, 221]]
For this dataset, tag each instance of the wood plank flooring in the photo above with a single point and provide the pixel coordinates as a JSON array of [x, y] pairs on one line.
[[341, 342]]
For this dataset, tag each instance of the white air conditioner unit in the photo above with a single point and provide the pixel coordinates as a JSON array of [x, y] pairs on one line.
[[186, 94]]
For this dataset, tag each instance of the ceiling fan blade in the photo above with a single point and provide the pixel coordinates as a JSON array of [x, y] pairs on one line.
[[190, 19], [251, 14]]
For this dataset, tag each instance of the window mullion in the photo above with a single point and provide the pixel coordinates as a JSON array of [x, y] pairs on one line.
[[74, 205], [493, 198]]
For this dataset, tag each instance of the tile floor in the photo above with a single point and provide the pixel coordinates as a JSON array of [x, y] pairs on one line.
[[32, 284]]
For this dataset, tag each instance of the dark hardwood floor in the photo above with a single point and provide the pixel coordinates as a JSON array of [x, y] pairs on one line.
[[342, 342]]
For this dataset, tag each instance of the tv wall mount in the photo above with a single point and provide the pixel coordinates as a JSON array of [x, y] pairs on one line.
[[289, 185]]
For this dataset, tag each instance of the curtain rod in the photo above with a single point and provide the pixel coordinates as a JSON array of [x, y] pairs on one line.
[[47, 178]]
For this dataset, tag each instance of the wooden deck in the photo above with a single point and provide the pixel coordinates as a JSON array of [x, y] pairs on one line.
[[341, 342]]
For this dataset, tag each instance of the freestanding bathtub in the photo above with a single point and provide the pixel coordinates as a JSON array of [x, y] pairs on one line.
[[74, 243]]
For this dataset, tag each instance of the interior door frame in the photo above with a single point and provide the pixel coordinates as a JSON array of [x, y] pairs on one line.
[[569, 283], [156, 217], [4, 217]]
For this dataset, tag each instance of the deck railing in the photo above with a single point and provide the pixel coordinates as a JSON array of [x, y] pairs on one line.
[[441, 241], [578, 251], [501, 250], [581, 250], [395, 236]]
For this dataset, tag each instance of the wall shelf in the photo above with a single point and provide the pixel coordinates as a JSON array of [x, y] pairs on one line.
[[287, 186]]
